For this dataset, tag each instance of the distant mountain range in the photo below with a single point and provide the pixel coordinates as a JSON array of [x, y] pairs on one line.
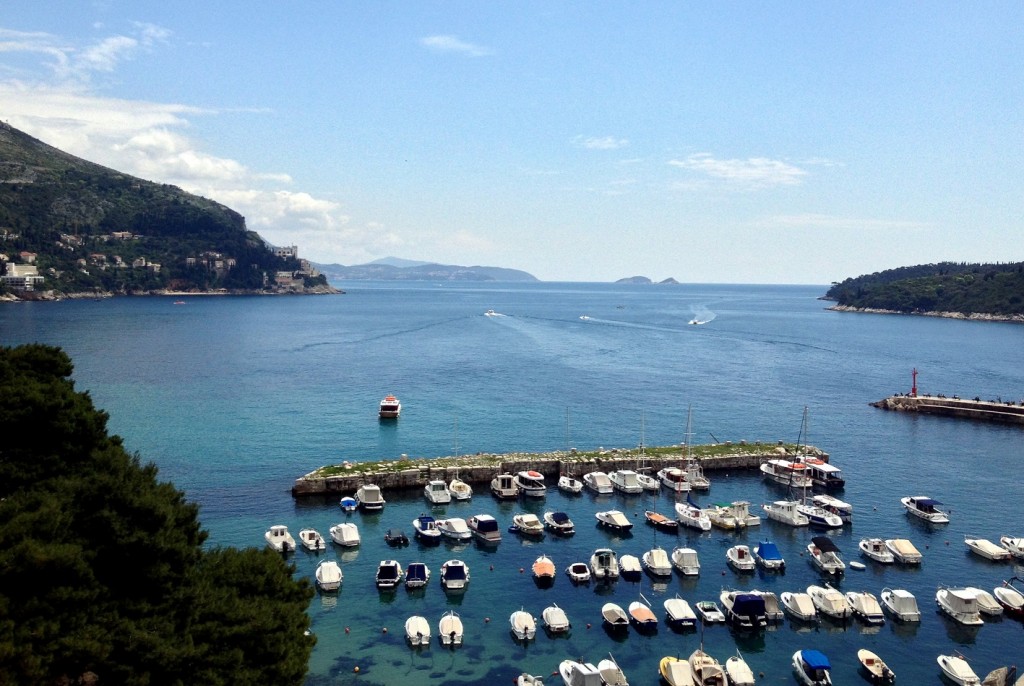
[[398, 269]]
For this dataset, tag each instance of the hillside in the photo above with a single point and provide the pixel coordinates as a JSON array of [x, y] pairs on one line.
[[395, 269], [91, 229], [948, 287]]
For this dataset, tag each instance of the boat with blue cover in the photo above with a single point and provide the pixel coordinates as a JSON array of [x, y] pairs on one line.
[[768, 556], [812, 667], [426, 529], [744, 610]]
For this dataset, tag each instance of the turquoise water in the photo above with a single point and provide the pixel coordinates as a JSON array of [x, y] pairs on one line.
[[236, 397]]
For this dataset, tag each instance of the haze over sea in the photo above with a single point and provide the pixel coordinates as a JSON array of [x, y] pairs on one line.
[[235, 397]]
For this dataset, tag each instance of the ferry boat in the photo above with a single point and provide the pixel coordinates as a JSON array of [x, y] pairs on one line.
[[531, 484], [793, 474], [823, 474], [504, 487], [390, 408], [674, 479], [925, 508], [598, 482]]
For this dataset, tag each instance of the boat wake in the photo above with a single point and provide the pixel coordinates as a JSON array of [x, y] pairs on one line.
[[492, 313], [702, 316]]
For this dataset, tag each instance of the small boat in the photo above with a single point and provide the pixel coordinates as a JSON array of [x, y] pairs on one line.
[[792, 474], [823, 474], [830, 602], [390, 408], [836, 506], [328, 575], [484, 528], [525, 679], [660, 521], [544, 569], [459, 489], [691, 515], [426, 530], [349, 504], [786, 512], [611, 673], [504, 487], [743, 610], [369, 498], [579, 673], [569, 485], [436, 492], [799, 606], [925, 508], [531, 484], [707, 671], [901, 603], [555, 619], [986, 549], [772, 608], [524, 626], [625, 481], [1013, 545], [987, 604], [824, 554], [875, 667], [675, 672], [903, 551], [740, 559], [709, 611], [738, 671], [647, 482], [417, 575], [579, 572], [417, 631], [679, 613], [768, 556], [674, 479], [454, 528], [859, 566], [345, 534], [312, 540], [875, 549], [960, 605], [614, 616], [559, 523], [721, 516], [740, 510], [956, 669], [812, 668], [642, 616], [598, 482], [396, 537], [604, 565], [490, 313], [614, 519], [450, 628], [686, 561], [454, 575], [656, 562], [819, 517], [865, 607], [278, 539], [1010, 598], [527, 524], [389, 574], [695, 476], [629, 567]]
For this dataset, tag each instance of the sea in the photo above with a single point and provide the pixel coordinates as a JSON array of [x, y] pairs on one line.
[[233, 398]]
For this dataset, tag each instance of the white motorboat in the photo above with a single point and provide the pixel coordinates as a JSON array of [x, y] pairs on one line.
[[743, 609], [1010, 598], [647, 482], [459, 489], [543, 570], [875, 549], [1013, 545], [598, 482], [957, 670], [721, 516], [768, 556], [559, 523], [579, 673], [328, 575], [417, 574], [611, 673], [695, 476], [437, 492], [389, 408], [629, 567], [389, 574], [604, 565], [614, 616], [454, 575], [879, 671], [369, 498], [707, 671], [614, 519], [524, 626], [484, 528], [345, 534], [555, 619], [531, 483], [504, 487], [960, 605], [812, 668], [312, 540], [656, 562], [830, 602], [689, 514], [792, 474], [739, 672], [786, 512], [679, 613], [836, 506], [279, 539], [450, 628], [569, 485], [686, 561], [709, 611], [986, 548], [824, 554], [903, 551], [579, 572], [865, 607], [987, 604], [925, 508], [525, 679], [901, 603], [799, 605], [528, 524], [675, 672], [674, 479], [417, 631], [823, 474], [454, 528], [740, 559], [819, 517], [624, 481], [740, 512], [426, 529]]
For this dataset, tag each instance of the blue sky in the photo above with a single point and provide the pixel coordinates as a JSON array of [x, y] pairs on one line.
[[579, 141]]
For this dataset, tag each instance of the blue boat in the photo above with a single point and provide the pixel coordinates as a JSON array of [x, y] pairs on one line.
[[768, 556], [812, 668], [349, 504]]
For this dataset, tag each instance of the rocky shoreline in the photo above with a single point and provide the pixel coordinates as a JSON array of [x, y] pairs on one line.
[[52, 296], [973, 316]]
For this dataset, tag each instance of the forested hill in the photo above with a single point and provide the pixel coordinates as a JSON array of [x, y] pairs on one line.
[[89, 228], [988, 289]]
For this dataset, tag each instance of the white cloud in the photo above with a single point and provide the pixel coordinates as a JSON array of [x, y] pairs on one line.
[[453, 44], [836, 223], [603, 143], [753, 172]]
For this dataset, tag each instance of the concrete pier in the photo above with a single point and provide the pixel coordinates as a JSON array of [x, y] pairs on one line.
[[976, 409]]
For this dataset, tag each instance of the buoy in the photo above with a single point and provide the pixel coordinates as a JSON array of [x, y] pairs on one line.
[[487, 620], [356, 669], [384, 630], [723, 572], [346, 630], [520, 570], [588, 625]]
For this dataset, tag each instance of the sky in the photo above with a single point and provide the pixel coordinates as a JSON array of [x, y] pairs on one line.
[[725, 142]]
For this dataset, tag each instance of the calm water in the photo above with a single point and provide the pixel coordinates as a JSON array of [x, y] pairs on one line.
[[236, 397]]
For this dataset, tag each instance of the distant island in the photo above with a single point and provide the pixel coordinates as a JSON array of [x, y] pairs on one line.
[[947, 289], [643, 280], [398, 269]]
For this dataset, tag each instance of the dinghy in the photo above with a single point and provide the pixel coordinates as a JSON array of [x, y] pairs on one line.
[[614, 616], [524, 626], [611, 673], [417, 631], [875, 667], [555, 619], [328, 576], [450, 628]]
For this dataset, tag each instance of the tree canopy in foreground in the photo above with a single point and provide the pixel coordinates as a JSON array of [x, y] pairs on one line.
[[103, 573]]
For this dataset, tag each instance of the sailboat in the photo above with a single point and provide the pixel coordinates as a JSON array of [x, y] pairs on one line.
[[646, 481], [817, 516], [458, 488], [694, 473]]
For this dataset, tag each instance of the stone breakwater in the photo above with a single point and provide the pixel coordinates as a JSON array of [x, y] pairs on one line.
[[977, 409], [479, 469]]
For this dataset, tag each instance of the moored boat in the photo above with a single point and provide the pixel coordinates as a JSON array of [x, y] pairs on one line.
[[611, 673], [604, 565], [614, 519], [454, 575], [328, 575], [656, 562], [743, 610], [425, 528], [527, 524], [454, 528], [865, 607], [674, 479], [524, 626], [578, 572], [709, 611], [504, 487], [567, 484], [559, 523], [679, 614], [660, 521], [799, 606], [369, 498], [901, 603], [792, 474], [691, 515], [956, 669], [740, 559], [812, 668], [642, 616], [484, 528], [417, 574], [675, 672], [768, 556], [459, 489], [925, 508], [417, 631], [389, 574], [345, 534], [625, 481], [875, 549], [824, 554], [312, 540], [819, 517], [647, 482], [579, 673], [986, 548], [629, 568], [834, 505], [614, 616], [707, 671], [960, 605], [1013, 545], [348, 504], [1011, 598], [830, 602], [987, 604], [823, 474], [450, 628], [396, 537], [279, 540], [436, 492], [786, 512], [686, 561], [903, 551], [875, 667], [531, 483], [389, 408], [555, 619], [544, 569], [598, 482], [738, 671]]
